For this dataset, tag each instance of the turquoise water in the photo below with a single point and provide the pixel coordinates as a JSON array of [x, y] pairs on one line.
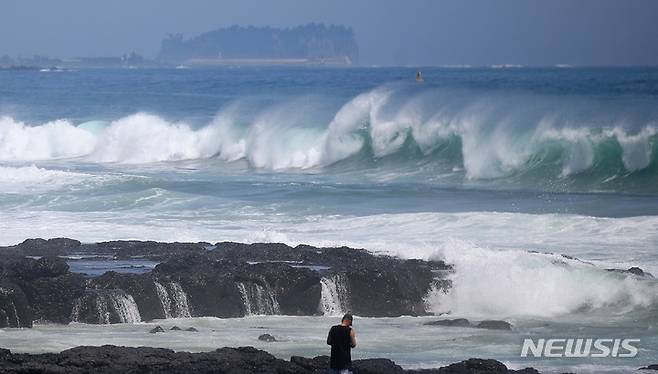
[[474, 166]]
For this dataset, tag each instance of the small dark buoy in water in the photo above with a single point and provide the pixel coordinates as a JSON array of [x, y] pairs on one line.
[[419, 77]]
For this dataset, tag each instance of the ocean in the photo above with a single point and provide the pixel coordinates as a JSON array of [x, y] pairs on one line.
[[531, 181]]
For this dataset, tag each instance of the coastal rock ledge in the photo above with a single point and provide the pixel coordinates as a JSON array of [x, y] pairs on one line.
[[244, 360], [207, 280]]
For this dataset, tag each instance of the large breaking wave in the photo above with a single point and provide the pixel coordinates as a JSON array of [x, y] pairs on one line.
[[478, 136], [515, 283]]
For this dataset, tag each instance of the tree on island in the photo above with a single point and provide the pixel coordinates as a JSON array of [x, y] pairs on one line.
[[312, 41]]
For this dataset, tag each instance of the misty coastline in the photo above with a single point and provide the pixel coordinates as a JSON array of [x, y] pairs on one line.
[[307, 45]]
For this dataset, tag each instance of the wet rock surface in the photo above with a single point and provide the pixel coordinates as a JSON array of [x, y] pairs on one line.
[[156, 330], [633, 270], [113, 359], [458, 322], [40, 289], [199, 279], [494, 325], [463, 322], [267, 338]]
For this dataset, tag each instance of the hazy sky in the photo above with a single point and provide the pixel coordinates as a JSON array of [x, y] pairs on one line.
[[414, 32]]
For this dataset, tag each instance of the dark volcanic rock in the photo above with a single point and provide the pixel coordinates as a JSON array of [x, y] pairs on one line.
[[122, 249], [191, 329], [44, 267], [32, 289], [494, 325], [476, 365], [52, 294], [267, 338], [316, 365], [463, 322], [636, 270], [458, 322], [50, 247], [125, 249], [339, 258], [175, 328], [377, 285], [14, 308], [142, 288], [376, 365], [196, 279], [156, 330], [112, 359], [633, 270], [394, 290]]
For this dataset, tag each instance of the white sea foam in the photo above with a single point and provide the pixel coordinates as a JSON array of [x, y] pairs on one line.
[[636, 148], [258, 299], [515, 283], [143, 138], [51, 140], [627, 241], [20, 179], [105, 304], [498, 136], [496, 276], [173, 300], [334, 295]]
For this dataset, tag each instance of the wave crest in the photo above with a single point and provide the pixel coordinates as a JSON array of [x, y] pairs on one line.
[[515, 283], [487, 136]]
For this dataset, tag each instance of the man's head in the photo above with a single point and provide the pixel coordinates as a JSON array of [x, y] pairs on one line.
[[347, 320]]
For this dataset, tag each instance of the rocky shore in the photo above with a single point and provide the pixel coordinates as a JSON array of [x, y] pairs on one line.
[[243, 360], [213, 280], [219, 280], [203, 279]]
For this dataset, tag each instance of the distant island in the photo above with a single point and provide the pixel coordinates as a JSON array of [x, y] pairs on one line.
[[244, 45], [311, 44]]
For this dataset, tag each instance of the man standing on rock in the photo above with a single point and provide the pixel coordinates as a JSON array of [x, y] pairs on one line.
[[342, 339]]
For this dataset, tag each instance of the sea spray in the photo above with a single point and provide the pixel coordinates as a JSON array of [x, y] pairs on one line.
[[258, 299], [173, 300], [486, 136], [520, 284], [10, 312], [165, 301], [181, 305], [334, 295], [51, 140], [105, 307]]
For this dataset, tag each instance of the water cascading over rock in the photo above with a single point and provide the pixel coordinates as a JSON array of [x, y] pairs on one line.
[[105, 307], [9, 315], [258, 299], [334, 296], [173, 299]]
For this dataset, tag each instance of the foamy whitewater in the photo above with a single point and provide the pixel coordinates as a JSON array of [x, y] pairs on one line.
[[497, 171]]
